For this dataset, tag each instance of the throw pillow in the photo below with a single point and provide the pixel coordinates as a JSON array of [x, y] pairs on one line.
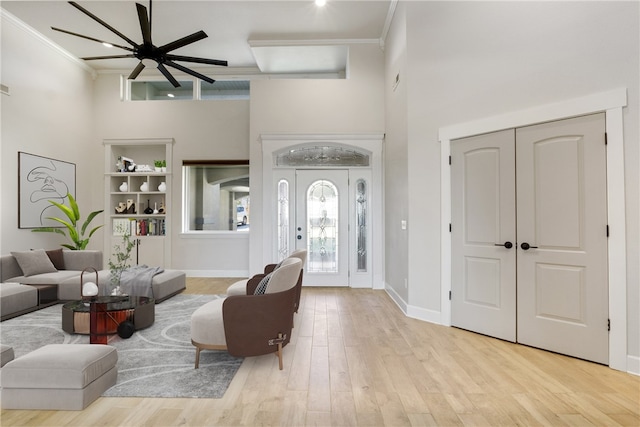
[[34, 262], [262, 286], [56, 257]]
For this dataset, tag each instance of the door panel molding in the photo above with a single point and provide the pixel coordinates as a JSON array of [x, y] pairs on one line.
[[612, 103]]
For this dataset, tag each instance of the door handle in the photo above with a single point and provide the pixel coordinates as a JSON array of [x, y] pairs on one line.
[[506, 244], [525, 246]]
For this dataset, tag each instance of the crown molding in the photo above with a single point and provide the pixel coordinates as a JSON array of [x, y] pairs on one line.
[[12, 19]]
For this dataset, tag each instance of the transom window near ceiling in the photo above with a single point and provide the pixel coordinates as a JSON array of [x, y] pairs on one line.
[[321, 155], [159, 90]]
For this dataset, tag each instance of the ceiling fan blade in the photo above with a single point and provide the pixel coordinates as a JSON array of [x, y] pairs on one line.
[[101, 22], [91, 38], [145, 27], [189, 71], [136, 71], [198, 60], [168, 75], [192, 38], [91, 58]]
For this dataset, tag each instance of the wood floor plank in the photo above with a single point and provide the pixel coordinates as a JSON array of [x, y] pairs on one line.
[[356, 359]]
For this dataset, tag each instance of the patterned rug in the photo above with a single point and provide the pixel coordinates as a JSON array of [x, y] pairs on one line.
[[155, 362]]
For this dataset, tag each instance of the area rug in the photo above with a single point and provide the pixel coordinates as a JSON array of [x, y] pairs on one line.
[[155, 362]]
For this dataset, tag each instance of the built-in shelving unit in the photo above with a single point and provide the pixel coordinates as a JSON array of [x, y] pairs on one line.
[[138, 199]]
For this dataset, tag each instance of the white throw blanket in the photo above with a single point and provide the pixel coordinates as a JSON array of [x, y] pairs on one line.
[[137, 280]]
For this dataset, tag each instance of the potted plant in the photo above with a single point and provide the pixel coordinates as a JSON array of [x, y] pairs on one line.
[[158, 165], [76, 234], [119, 262], [163, 166]]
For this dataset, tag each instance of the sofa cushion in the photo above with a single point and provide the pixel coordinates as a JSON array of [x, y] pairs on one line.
[[56, 257], [207, 325], [46, 278], [34, 262]]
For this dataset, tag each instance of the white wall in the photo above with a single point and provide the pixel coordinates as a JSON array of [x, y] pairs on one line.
[[353, 105], [202, 130], [397, 161], [470, 60], [48, 113]]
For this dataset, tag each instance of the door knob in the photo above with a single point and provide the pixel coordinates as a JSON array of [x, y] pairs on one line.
[[506, 244], [299, 237], [525, 246]]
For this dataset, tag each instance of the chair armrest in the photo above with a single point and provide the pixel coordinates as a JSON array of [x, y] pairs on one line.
[[252, 322], [269, 268]]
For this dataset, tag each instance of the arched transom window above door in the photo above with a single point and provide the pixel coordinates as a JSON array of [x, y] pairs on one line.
[[321, 155]]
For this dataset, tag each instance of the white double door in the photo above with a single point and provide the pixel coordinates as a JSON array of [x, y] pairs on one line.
[[529, 236]]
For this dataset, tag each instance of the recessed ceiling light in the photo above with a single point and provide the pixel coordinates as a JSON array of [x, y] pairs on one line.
[[107, 44], [321, 3], [170, 95]]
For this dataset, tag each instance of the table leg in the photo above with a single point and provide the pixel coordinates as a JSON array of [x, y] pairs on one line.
[[98, 320]]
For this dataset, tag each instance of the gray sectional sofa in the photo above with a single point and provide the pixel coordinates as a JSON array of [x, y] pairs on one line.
[[22, 273], [21, 269]]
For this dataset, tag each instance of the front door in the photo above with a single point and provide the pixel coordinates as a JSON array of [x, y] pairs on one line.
[[321, 225]]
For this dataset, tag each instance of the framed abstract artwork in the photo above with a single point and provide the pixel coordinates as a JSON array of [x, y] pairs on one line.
[[41, 179]]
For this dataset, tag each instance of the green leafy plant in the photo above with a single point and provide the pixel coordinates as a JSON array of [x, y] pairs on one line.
[[76, 232], [158, 163], [119, 260]]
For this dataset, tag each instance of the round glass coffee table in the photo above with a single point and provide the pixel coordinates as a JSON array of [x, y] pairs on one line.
[[101, 316]]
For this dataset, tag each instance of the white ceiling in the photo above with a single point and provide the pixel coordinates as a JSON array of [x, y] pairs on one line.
[[292, 36]]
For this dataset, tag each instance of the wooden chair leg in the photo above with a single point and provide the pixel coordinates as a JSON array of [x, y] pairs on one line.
[[197, 357]]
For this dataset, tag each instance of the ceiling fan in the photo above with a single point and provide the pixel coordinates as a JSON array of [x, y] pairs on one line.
[[147, 50]]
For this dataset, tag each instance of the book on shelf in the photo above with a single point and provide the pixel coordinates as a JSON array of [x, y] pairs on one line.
[[139, 227]]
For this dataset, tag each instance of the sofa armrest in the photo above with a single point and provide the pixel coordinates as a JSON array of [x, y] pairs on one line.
[[9, 268], [79, 260], [269, 268]]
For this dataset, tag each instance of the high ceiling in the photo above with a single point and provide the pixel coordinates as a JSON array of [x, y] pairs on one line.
[[276, 36]]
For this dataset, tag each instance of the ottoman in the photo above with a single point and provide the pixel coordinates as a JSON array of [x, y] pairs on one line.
[[59, 376]]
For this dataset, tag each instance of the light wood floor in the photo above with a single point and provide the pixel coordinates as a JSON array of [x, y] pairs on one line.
[[355, 359]]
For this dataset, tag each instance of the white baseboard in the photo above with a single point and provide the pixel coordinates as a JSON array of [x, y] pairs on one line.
[[217, 273], [425, 314], [396, 298], [633, 365]]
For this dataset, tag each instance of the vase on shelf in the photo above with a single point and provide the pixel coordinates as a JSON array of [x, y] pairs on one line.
[[148, 210], [144, 187], [162, 187], [124, 186]]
